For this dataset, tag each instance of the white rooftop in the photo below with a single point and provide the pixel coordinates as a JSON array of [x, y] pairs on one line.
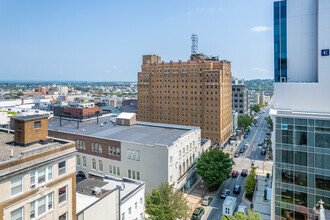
[[84, 201], [126, 115]]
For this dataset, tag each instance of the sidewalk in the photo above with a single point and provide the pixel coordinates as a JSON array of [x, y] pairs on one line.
[[230, 149], [261, 206]]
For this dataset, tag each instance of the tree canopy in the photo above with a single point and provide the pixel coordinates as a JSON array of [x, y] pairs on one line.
[[256, 108], [166, 203], [215, 167], [244, 121], [242, 216], [250, 181], [270, 122]]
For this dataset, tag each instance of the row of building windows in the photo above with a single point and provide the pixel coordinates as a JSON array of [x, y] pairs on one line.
[[132, 174], [37, 178], [129, 211], [184, 69], [133, 154], [97, 148], [42, 205]]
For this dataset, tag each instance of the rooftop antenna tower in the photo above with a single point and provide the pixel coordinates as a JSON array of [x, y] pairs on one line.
[[194, 44]]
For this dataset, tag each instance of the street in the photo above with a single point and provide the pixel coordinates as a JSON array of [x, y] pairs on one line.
[[243, 161]]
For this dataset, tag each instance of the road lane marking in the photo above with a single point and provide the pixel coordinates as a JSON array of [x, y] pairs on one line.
[[252, 140]]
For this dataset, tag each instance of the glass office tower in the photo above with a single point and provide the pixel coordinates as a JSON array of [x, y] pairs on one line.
[[301, 110], [302, 166]]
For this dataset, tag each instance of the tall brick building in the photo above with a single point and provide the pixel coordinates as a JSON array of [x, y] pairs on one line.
[[194, 93]]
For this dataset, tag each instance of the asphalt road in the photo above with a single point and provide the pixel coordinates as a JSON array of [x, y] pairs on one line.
[[257, 135]]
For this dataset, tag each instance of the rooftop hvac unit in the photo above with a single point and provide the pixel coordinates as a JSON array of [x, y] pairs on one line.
[[96, 191]]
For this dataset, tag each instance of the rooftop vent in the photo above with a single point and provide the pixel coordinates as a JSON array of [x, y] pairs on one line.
[[96, 191], [121, 187]]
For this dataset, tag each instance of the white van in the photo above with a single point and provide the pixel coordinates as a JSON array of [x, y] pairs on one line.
[[229, 206]]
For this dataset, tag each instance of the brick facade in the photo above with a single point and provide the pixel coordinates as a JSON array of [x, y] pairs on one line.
[[88, 143], [193, 93]]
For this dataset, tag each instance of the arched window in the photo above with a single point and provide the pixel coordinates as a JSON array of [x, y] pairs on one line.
[[94, 164], [84, 161], [100, 165], [180, 171], [78, 160], [184, 167], [187, 164], [190, 161], [194, 157]]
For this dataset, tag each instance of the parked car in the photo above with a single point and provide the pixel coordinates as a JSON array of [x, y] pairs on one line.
[[268, 133], [206, 201], [244, 172], [263, 152], [261, 144], [242, 150], [234, 173], [248, 132], [236, 154], [225, 193], [242, 208], [237, 189], [197, 215], [256, 125], [245, 135]]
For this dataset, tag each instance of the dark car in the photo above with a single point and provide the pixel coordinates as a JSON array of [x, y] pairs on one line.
[[236, 154], [245, 135], [263, 152], [197, 215], [261, 144], [242, 150], [225, 193], [237, 189], [244, 172], [268, 133], [234, 173]]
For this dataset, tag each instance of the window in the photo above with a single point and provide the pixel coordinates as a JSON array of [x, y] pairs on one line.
[[141, 200], [78, 160], [137, 175], [113, 151], [133, 154], [110, 150], [41, 175], [171, 159], [123, 216], [130, 210], [118, 151], [32, 178], [62, 194], [16, 186], [129, 174], [37, 124], [100, 165], [63, 217], [110, 169], [42, 205], [84, 161], [114, 170], [118, 171], [133, 172], [61, 168], [94, 164], [135, 205], [17, 214], [138, 155], [128, 154]]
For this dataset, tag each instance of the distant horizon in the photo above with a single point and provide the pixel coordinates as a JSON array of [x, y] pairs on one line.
[[83, 81]]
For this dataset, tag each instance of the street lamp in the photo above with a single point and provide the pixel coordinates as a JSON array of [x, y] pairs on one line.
[[321, 210]]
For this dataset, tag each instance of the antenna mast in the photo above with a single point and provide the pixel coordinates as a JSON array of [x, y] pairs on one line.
[[194, 44]]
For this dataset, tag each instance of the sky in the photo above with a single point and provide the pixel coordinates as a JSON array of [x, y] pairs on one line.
[[105, 40]]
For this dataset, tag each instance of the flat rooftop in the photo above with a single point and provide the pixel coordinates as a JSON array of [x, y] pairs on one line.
[[7, 145], [141, 132], [84, 188]]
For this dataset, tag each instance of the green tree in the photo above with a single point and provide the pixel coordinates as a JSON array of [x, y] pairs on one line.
[[250, 181], [166, 203], [215, 167], [241, 216], [256, 108], [270, 122], [244, 121], [20, 94]]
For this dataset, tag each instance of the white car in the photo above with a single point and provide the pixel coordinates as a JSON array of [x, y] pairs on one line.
[[242, 208]]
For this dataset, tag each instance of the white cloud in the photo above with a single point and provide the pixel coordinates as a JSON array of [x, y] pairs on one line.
[[260, 28]]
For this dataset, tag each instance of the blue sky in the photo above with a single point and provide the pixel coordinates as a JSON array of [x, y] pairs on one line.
[[105, 40]]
